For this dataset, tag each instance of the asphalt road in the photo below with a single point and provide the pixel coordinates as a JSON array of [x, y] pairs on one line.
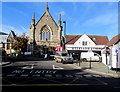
[[49, 74]]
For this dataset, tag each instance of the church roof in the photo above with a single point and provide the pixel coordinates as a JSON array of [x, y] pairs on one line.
[[98, 40]]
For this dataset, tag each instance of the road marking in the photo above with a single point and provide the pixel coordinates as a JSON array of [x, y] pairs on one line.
[[17, 71], [78, 76], [104, 83], [88, 76], [69, 76], [28, 67], [97, 76], [57, 67], [24, 75], [48, 75], [11, 75], [47, 84], [36, 75]]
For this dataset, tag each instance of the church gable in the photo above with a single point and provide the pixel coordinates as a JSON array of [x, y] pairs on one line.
[[46, 19]]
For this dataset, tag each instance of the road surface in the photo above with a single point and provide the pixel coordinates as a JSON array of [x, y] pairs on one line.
[[51, 74]]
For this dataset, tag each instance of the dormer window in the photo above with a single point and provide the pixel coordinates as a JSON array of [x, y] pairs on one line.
[[84, 43], [93, 38]]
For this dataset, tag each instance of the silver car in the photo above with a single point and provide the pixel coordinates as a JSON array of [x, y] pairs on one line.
[[63, 57]]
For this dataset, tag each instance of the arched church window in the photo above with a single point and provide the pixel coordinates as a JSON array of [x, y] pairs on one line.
[[45, 33]]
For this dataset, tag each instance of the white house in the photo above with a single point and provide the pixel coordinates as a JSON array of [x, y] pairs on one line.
[[114, 57], [76, 44]]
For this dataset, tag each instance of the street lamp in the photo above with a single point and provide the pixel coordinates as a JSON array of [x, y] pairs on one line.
[[65, 31]]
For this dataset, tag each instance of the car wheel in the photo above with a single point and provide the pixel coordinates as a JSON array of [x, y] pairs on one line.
[[56, 60]]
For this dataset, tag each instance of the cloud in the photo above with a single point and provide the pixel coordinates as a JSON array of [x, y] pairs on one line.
[[112, 31], [15, 10], [62, 13], [87, 7], [102, 20], [25, 30]]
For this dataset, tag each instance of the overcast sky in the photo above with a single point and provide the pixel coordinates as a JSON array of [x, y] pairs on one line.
[[92, 18]]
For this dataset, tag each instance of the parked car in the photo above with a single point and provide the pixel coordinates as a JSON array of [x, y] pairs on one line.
[[90, 56], [63, 57]]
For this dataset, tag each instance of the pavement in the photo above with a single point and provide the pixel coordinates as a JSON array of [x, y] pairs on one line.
[[98, 68]]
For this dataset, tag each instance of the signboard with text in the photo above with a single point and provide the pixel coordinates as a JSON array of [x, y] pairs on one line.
[[58, 48]]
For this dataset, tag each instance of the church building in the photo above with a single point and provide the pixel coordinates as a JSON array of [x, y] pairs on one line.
[[45, 34]]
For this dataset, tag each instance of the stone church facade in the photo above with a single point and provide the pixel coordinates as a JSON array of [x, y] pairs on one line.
[[45, 34]]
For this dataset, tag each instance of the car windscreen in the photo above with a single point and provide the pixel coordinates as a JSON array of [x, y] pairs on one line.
[[64, 54]]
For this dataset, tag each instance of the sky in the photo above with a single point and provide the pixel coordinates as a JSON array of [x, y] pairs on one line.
[[92, 18]]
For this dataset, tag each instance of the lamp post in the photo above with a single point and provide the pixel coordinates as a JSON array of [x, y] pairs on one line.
[[65, 32]]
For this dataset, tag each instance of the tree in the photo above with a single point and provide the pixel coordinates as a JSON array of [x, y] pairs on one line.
[[20, 43]]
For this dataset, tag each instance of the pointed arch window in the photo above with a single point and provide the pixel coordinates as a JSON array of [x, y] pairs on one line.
[[45, 33]]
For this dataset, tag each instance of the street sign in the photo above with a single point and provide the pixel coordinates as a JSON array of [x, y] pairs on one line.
[[58, 48], [116, 50], [107, 50]]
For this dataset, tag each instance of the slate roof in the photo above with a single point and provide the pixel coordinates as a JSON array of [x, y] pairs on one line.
[[98, 40], [2, 33]]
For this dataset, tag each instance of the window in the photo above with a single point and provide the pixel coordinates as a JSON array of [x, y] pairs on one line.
[[84, 43], [45, 33]]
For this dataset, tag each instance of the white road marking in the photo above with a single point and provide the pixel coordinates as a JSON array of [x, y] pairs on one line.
[[48, 75], [78, 76], [36, 75], [11, 75], [88, 76], [24, 75], [97, 76], [28, 67], [69, 76], [57, 67]]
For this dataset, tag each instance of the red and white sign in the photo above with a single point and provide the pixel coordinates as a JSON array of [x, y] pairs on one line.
[[58, 48], [107, 50]]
